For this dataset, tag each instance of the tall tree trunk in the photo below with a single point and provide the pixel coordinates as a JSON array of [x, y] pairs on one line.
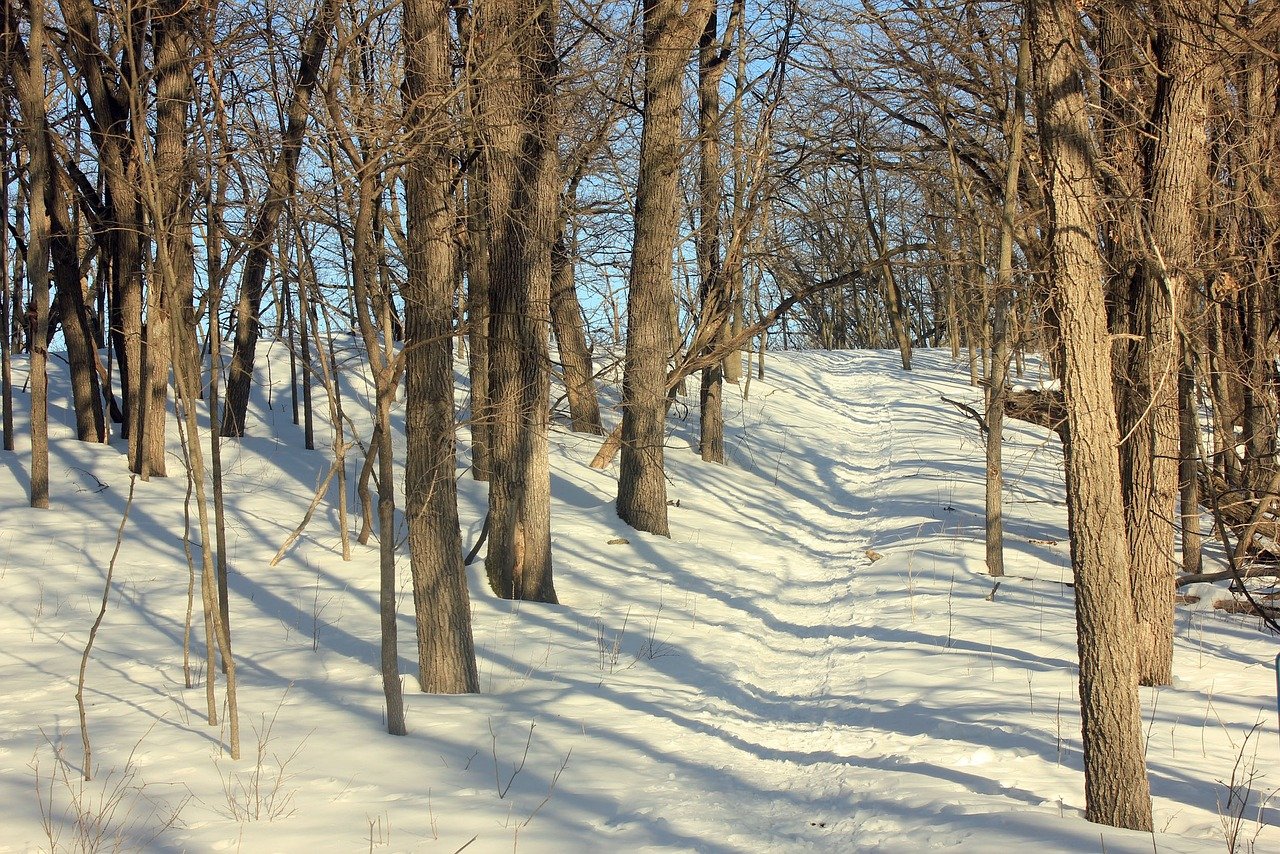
[[999, 377], [1175, 177], [31, 98], [517, 127], [670, 34], [476, 258], [1117, 791], [446, 650], [716, 298]]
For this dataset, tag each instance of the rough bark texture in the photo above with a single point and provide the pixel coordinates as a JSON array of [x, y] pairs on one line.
[[1117, 791], [446, 650], [670, 33], [516, 126], [1175, 178], [170, 296], [476, 258]]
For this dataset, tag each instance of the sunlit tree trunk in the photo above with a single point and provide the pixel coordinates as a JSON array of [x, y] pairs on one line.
[[1117, 791], [670, 33], [517, 129]]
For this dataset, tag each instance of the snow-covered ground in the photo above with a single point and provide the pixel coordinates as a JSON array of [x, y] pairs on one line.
[[814, 661]]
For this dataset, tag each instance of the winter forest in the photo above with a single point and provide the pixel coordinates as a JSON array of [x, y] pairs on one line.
[[683, 425]]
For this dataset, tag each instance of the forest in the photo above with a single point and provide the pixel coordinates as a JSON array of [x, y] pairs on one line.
[[445, 238]]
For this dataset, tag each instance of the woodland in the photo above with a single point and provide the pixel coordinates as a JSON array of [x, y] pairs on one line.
[[594, 211]]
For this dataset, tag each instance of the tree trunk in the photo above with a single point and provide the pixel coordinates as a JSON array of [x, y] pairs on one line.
[[999, 377], [446, 650], [571, 340], [476, 258], [31, 97], [1189, 464], [1175, 177], [1117, 791], [716, 298], [670, 33], [516, 111]]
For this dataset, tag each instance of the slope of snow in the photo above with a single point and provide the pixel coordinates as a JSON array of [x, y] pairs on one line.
[[814, 661]]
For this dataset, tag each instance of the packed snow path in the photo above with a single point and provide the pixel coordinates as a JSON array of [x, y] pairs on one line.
[[814, 661]]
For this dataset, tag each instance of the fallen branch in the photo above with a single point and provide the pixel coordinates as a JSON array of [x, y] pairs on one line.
[[315, 502], [968, 410], [1248, 608], [1251, 572]]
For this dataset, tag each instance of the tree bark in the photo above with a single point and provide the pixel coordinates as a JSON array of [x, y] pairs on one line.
[[1117, 791], [476, 256], [446, 649], [670, 33], [517, 129], [1175, 179], [31, 98]]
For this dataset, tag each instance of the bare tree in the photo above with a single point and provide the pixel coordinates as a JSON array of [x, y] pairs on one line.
[[671, 30], [282, 181], [1117, 791], [517, 126], [446, 650]]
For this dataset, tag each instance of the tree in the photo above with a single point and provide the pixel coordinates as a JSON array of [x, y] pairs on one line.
[[998, 377], [446, 649], [1175, 171], [31, 98], [670, 32], [1117, 791], [516, 89]]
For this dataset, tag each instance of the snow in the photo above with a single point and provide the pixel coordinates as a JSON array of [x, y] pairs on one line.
[[757, 682]]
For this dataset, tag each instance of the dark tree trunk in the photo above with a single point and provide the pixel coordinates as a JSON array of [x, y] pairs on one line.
[[446, 650], [476, 258], [571, 339]]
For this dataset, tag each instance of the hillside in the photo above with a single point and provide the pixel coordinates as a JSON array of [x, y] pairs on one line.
[[815, 661]]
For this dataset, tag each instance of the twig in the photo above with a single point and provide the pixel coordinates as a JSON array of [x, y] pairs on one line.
[[93, 632]]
